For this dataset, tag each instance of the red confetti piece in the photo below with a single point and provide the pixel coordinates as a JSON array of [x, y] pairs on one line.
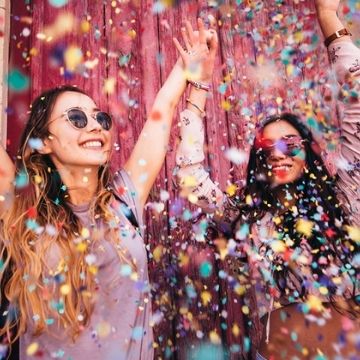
[[156, 115], [32, 213]]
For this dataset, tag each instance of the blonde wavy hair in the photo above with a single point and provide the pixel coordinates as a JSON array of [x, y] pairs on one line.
[[39, 226]]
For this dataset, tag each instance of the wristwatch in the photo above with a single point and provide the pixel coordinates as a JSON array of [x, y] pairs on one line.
[[336, 35]]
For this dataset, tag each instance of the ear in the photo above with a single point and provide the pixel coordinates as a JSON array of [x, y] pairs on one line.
[[46, 148]]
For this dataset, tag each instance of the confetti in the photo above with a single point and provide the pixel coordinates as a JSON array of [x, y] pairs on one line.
[[17, 81], [58, 3]]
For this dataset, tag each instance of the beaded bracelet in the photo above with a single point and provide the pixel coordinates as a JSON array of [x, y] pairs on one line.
[[200, 86]]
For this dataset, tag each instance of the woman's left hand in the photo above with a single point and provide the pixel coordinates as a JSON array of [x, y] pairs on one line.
[[199, 57]]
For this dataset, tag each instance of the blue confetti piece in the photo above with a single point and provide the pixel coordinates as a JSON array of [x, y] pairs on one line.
[[137, 333]]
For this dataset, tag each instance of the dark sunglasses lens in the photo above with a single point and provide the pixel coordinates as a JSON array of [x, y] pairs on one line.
[[104, 119], [77, 118]]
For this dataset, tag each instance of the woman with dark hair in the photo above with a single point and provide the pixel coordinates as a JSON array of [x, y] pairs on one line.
[[296, 227], [72, 232]]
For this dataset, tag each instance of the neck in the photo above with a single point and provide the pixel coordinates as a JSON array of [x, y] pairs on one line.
[[81, 183], [286, 196]]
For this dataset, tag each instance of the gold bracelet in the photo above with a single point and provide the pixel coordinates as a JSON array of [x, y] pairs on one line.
[[202, 111]]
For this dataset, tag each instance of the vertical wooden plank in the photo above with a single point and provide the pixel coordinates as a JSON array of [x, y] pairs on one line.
[[79, 25], [4, 64]]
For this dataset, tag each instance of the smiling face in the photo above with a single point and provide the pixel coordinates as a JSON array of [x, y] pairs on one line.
[[72, 147], [286, 155]]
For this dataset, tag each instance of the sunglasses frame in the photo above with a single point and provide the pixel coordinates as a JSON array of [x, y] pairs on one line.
[[267, 150], [93, 115]]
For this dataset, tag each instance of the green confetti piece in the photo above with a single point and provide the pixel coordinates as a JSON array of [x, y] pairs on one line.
[[17, 81], [205, 269], [58, 3]]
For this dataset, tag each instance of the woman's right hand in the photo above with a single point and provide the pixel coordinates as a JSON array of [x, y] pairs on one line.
[[199, 56]]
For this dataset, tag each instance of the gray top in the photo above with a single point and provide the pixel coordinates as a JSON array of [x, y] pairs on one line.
[[120, 324]]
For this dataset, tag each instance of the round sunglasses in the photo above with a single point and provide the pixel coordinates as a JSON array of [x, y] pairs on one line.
[[289, 145], [79, 120]]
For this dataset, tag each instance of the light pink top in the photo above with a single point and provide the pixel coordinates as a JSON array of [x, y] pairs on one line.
[[120, 323]]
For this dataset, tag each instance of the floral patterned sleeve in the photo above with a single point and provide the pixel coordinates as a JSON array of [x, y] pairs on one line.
[[194, 180], [345, 58]]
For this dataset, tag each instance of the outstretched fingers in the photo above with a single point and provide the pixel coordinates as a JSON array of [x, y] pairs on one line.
[[179, 48], [186, 39], [202, 31]]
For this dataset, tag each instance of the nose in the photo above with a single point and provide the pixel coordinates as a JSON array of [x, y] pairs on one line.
[[93, 125], [276, 154]]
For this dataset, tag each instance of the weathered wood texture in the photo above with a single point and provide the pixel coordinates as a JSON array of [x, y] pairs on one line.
[[269, 61]]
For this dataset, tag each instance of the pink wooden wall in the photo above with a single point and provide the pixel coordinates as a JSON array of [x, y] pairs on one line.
[[250, 82]]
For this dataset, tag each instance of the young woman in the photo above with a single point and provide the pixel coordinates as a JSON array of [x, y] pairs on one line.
[[72, 232], [296, 226]]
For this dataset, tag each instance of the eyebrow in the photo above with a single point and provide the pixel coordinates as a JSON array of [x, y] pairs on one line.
[[81, 108]]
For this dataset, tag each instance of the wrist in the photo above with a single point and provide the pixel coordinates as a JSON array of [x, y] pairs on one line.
[[200, 85]]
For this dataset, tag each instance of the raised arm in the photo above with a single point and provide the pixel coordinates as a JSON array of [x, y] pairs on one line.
[[345, 59], [149, 153], [194, 180], [7, 175]]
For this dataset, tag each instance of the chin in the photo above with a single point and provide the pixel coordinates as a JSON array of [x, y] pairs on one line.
[[283, 180]]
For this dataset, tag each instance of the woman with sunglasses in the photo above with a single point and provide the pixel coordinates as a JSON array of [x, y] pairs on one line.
[[72, 232], [296, 229]]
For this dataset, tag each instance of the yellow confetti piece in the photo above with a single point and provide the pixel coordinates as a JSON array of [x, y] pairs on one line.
[[205, 297], [305, 351], [157, 253], [32, 349], [85, 233], [132, 33], [183, 259], [81, 247], [231, 189], [315, 303], [299, 36], [323, 290], [279, 100], [37, 179], [134, 276], [225, 105], [235, 330], [33, 51], [245, 309], [304, 227], [103, 329], [65, 289], [73, 57], [278, 246], [189, 181], [353, 232], [85, 26], [193, 198], [222, 247], [277, 220], [214, 337], [109, 85], [248, 200], [93, 269], [290, 69], [239, 290]]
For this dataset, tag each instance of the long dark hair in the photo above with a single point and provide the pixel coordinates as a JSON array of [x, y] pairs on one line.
[[317, 202]]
